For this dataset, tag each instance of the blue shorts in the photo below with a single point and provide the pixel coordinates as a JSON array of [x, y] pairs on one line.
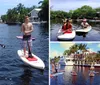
[[27, 38]]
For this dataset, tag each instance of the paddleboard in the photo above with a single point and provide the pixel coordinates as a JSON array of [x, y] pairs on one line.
[[66, 36], [84, 30], [35, 62], [56, 74], [21, 37], [95, 72]]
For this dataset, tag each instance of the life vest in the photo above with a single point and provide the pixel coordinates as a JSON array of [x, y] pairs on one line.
[[67, 28], [64, 27]]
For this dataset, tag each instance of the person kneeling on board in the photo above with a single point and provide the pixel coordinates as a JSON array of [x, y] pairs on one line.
[[27, 29], [84, 23], [67, 26]]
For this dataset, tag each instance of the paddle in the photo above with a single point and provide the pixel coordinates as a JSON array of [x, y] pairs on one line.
[[29, 50], [2, 45]]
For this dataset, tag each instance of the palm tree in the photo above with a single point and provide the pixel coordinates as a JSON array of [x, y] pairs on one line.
[[73, 49], [66, 52], [40, 2], [82, 47]]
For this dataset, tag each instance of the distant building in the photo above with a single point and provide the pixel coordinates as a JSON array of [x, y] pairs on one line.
[[0, 20], [34, 15], [88, 51]]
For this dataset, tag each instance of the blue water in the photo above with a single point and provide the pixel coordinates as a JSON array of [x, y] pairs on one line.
[[81, 79], [93, 35], [14, 71]]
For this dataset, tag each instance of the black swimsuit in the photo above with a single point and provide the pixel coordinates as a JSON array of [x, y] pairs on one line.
[[26, 37]]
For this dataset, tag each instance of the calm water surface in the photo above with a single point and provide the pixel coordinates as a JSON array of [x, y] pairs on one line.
[[93, 35], [81, 79], [12, 70]]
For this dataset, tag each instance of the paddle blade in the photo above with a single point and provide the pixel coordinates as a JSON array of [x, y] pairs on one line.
[[2, 45]]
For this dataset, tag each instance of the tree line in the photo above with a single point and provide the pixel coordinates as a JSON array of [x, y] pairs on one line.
[[94, 57], [83, 12]]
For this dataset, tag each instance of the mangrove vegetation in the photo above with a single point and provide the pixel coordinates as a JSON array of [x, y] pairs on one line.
[[80, 13]]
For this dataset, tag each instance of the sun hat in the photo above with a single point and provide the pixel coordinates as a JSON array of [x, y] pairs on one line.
[[64, 20], [84, 20]]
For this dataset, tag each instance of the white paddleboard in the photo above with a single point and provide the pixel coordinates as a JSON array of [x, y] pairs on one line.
[[21, 37], [38, 63], [56, 74], [66, 36], [84, 29]]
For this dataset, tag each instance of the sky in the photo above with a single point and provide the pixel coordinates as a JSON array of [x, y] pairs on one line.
[[57, 49], [7, 4], [66, 5]]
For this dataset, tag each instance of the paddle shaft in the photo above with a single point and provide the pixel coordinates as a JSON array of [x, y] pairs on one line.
[[29, 50]]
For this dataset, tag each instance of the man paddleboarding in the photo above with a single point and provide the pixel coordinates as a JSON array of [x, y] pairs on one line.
[[27, 29], [84, 23]]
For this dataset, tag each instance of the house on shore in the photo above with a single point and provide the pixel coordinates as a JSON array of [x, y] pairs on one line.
[[34, 18]]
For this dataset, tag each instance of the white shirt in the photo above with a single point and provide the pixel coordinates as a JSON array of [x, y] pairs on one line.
[[84, 25]]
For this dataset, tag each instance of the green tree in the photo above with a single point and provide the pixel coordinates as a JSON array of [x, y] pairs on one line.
[[4, 18], [17, 14], [22, 12], [44, 13], [12, 15], [66, 52]]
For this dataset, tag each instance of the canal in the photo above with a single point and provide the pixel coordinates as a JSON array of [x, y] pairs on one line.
[[12, 70], [82, 77]]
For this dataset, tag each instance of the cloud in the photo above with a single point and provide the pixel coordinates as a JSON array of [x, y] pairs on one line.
[[98, 46], [66, 45], [89, 43], [54, 53]]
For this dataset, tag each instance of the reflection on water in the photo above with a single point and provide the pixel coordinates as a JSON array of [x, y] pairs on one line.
[[74, 79], [26, 77], [81, 79], [93, 35]]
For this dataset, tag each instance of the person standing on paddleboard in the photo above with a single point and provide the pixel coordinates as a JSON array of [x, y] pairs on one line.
[[84, 23], [27, 29], [56, 67]]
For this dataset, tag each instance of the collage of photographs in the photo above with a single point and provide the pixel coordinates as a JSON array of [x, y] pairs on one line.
[[50, 42]]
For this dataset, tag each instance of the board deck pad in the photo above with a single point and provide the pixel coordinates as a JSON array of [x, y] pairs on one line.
[[67, 32], [32, 59]]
